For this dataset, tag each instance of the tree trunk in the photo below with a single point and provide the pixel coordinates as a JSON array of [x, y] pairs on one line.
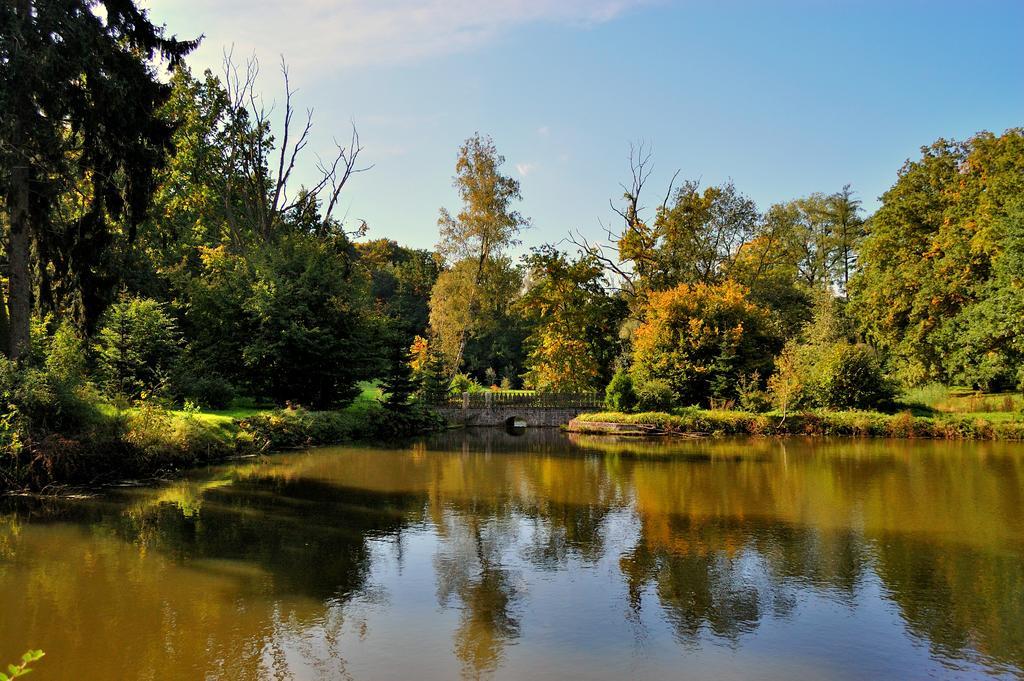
[[19, 244], [5, 328], [20, 300]]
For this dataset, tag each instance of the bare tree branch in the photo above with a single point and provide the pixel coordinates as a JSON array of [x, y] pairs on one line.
[[264, 193]]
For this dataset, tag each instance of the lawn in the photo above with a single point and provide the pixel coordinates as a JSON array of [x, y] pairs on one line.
[[960, 401]]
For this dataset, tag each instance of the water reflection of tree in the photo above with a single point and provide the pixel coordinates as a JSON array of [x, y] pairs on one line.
[[309, 536], [726, 538], [468, 567], [703, 581], [959, 600]]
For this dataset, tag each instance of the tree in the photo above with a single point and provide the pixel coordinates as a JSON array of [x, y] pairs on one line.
[[574, 336], [848, 229], [259, 197], [700, 337], [694, 237], [485, 227], [475, 323], [188, 211], [985, 344], [136, 346], [399, 383], [698, 237], [310, 327], [428, 366], [767, 265], [77, 119], [927, 266], [401, 280], [813, 241]]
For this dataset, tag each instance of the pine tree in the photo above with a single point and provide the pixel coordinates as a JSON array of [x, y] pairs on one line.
[[434, 379], [399, 384]]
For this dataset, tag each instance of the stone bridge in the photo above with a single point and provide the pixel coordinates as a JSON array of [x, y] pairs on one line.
[[509, 408]]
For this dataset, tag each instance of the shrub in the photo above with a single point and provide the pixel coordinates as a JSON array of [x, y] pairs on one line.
[[211, 391], [836, 375], [620, 395], [65, 358], [850, 377], [655, 395], [136, 346], [786, 385], [47, 392], [751, 396], [462, 383]]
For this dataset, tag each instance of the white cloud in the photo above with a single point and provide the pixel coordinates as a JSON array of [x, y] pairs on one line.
[[332, 34], [525, 169], [543, 131]]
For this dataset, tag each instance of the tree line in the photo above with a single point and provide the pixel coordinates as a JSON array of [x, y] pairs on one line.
[[156, 246]]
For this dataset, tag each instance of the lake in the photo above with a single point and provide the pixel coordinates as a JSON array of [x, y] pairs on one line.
[[545, 556]]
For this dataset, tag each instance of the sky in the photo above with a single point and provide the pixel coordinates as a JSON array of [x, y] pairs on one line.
[[783, 98]]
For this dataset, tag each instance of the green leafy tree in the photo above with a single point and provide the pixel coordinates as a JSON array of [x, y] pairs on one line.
[[844, 211], [401, 280], [928, 264], [188, 211], [476, 322], [399, 383], [309, 323], [574, 326], [984, 346], [431, 374], [699, 235], [486, 226]]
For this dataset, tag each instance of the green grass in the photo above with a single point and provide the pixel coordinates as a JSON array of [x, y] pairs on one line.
[[981, 426], [150, 440], [965, 402], [222, 416]]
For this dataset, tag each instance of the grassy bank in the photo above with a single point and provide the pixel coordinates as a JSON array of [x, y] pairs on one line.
[[848, 424], [151, 441]]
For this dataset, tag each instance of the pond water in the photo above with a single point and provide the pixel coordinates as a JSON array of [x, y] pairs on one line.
[[546, 556]]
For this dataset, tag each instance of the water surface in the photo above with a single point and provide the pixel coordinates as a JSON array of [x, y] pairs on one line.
[[482, 555]]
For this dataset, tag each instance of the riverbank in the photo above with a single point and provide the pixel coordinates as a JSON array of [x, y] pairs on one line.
[[699, 422], [150, 441]]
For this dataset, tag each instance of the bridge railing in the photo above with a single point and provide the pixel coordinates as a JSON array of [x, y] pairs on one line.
[[493, 399]]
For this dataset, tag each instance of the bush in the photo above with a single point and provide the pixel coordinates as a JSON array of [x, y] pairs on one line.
[[209, 392], [136, 346], [751, 396], [620, 395], [47, 392], [655, 395], [850, 377], [462, 383]]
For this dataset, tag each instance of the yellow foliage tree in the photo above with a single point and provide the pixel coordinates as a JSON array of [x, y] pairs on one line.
[[700, 338]]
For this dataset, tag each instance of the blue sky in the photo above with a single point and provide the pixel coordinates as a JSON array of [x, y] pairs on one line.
[[785, 98]]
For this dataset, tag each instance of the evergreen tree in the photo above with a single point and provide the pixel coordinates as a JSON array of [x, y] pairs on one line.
[[80, 98], [433, 377], [399, 383]]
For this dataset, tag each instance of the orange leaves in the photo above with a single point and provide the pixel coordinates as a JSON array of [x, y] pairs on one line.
[[693, 331], [419, 351]]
